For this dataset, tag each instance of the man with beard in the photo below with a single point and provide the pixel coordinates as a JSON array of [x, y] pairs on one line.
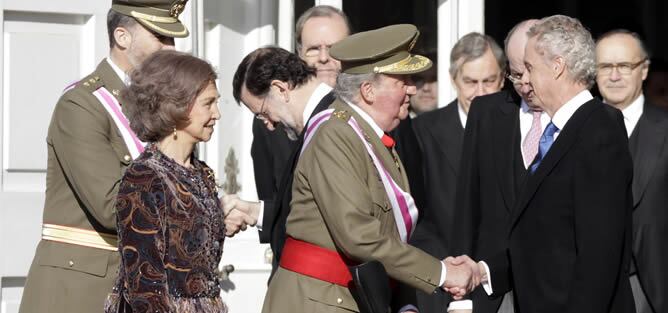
[[316, 30], [89, 147], [281, 89]]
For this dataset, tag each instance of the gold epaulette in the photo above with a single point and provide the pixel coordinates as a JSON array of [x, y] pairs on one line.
[[343, 115]]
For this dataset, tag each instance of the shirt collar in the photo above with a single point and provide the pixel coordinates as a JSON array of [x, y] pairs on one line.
[[367, 118], [635, 109], [566, 111], [462, 115], [320, 92], [122, 75]]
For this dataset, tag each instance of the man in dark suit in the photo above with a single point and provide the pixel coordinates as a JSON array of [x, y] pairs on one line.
[[284, 90], [408, 149], [499, 145], [478, 64], [316, 30], [569, 242], [623, 64]]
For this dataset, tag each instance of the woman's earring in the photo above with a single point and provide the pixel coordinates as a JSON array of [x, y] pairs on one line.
[[175, 137]]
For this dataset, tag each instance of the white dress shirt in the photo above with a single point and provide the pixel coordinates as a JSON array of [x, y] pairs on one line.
[[462, 115], [632, 114], [559, 119], [122, 75]]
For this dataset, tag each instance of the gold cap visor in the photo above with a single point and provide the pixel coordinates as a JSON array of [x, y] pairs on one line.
[[382, 51], [399, 64]]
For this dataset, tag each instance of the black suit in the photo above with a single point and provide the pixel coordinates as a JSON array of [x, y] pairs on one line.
[[277, 208], [409, 152], [570, 230], [491, 172], [271, 151], [439, 134], [650, 206]]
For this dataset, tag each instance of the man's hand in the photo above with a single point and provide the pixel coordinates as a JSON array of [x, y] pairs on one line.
[[237, 221], [239, 214], [232, 202], [463, 275]]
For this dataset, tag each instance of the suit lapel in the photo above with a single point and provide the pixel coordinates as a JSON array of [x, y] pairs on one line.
[[561, 145], [650, 135], [505, 119], [449, 132]]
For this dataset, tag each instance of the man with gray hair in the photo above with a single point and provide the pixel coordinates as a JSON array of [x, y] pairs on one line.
[[350, 197], [570, 228], [500, 142], [623, 65], [477, 64]]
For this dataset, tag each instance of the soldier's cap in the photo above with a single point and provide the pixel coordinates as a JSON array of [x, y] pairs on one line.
[[382, 51], [160, 16]]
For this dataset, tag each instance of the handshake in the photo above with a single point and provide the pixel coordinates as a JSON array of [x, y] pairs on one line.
[[239, 214], [463, 275]]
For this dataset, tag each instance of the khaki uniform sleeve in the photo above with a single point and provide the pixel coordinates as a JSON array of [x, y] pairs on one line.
[[80, 137], [338, 177]]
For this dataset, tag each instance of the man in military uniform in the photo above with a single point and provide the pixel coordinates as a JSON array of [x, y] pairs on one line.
[[89, 146], [342, 210]]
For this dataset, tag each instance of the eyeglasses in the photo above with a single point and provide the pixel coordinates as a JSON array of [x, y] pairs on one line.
[[624, 68], [315, 51], [515, 78], [262, 114]]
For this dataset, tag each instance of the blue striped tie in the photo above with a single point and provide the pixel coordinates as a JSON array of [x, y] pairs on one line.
[[546, 141]]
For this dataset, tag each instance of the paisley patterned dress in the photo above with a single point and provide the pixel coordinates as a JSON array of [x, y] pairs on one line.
[[171, 232]]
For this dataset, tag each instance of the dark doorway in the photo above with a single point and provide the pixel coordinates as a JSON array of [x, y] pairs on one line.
[[645, 17]]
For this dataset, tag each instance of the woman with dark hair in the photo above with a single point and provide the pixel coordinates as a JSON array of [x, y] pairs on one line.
[[170, 221]]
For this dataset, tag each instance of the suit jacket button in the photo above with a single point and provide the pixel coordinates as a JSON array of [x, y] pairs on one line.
[[70, 263], [339, 300], [127, 158]]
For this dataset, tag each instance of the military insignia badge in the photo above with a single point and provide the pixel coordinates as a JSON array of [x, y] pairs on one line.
[[177, 8]]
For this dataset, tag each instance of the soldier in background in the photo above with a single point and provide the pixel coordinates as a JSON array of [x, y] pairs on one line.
[[90, 144]]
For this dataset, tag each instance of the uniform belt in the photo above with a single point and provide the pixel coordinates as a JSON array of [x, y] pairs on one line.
[[316, 262], [81, 237]]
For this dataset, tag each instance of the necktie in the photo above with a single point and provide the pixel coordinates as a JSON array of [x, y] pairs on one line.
[[387, 141], [546, 141], [530, 144]]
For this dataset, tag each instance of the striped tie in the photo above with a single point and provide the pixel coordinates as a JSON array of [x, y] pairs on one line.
[[530, 144]]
